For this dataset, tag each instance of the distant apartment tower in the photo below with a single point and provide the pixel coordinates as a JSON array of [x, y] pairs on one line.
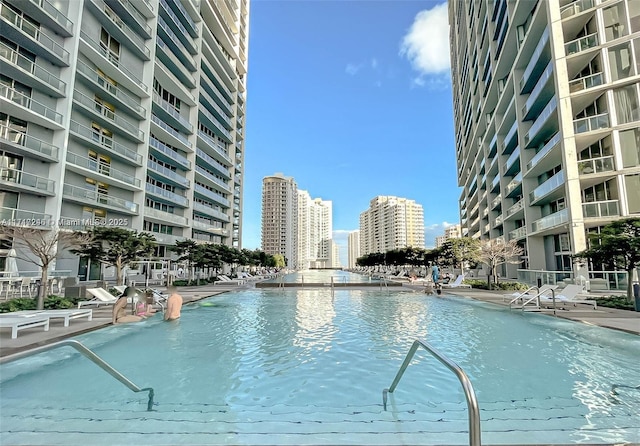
[[453, 231], [280, 217], [353, 247], [315, 218], [334, 256], [126, 112], [391, 223], [546, 106]]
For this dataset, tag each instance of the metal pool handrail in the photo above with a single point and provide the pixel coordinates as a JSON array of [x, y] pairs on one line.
[[469, 393], [91, 356]]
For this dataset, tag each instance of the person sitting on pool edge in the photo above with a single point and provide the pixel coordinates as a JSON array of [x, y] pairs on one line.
[[174, 304], [119, 314]]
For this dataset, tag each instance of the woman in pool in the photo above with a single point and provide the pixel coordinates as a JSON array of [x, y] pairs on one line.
[[119, 313]]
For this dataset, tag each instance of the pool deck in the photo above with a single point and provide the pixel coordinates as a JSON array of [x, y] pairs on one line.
[[628, 321]]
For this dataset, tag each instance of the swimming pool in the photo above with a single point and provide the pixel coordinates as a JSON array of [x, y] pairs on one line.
[[308, 367]]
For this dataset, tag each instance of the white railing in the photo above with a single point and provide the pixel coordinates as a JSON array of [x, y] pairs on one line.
[[28, 141], [8, 175], [585, 82], [104, 141], [25, 101], [102, 168], [32, 68], [551, 221]]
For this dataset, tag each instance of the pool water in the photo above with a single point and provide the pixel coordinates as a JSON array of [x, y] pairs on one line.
[[308, 366]]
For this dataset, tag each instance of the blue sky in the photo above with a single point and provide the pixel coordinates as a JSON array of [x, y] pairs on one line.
[[353, 100]]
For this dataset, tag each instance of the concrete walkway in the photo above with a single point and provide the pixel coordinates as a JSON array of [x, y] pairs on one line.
[[628, 321]]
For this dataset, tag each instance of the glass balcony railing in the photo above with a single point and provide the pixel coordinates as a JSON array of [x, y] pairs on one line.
[[543, 152], [107, 113], [551, 221], [211, 194], [25, 101], [576, 8], [213, 162], [596, 165], [168, 173], [224, 132], [597, 209], [102, 169], [173, 132], [8, 175], [549, 109], [212, 103], [139, 18], [535, 93], [168, 195], [495, 182], [581, 44], [32, 68], [193, 28], [585, 82], [535, 56], [28, 141], [21, 217], [519, 233], [515, 156], [176, 21], [104, 141], [212, 178], [498, 221], [166, 216], [181, 72], [199, 207], [106, 85], [496, 201], [171, 111], [188, 60], [95, 197], [518, 206], [591, 123], [131, 35], [514, 183], [58, 16], [547, 187], [169, 152]]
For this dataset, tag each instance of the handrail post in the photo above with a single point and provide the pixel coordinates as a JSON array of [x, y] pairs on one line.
[[470, 395], [93, 358]]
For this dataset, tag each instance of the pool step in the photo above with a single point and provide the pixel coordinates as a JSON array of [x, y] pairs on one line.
[[192, 423]]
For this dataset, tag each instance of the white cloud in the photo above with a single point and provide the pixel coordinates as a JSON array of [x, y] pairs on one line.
[[352, 69], [426, 46]]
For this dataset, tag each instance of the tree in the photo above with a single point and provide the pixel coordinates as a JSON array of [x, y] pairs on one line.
[[495, 252], [618, 243], [44, 245], [117, 247], [186, 250], [459, 251]]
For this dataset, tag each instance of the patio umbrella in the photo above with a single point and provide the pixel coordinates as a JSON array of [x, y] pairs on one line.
[[11, 266]]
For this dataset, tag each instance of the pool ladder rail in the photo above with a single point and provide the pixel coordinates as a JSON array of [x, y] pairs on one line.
[[469, 393], [92, 357]]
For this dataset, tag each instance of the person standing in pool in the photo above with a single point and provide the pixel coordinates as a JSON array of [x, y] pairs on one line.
[[435, 273], [174, 304]]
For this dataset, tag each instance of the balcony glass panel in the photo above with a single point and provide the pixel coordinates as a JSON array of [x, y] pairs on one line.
[[108, 86], [514, 183], [535, 93], [518, 233], [171, 196], [160, 147], [581, 44], [591, 123], [213, 179], [546, 149], [104, 141], [93, 196], [548, 186], [179, 136], [541, 120], [211, 194], [165, 216], [59, 17], [16, 176], [585, 82], [28, 141], [515, 208], [102, 169], [608, 208], [551, 221], [19, 98], [108, 114], [596, 165], [576, 8], [11, 216], [132, 37], [535, 56], [173, 175], [170, 109], [31, 67]]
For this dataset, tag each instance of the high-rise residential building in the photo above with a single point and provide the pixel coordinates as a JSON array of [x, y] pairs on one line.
[[453, 231], [353, 247], [280, 217], [545, 97], [314, 231], [128, 112], [334, 255], [391, 223]]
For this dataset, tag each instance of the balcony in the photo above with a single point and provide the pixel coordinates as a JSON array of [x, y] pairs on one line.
[[85, 196], [581, 44], [20, 217], [516, 208], [167, 175], [19, 181], [208, 227], [115, 94], [576, 7], [498, 221], [591, 123], [49, 15], [203, 191], [166, 111], [15, 65], [535, 132], [495, 183], [548, 147], [108, 116], [165, 217], [102, 141], [540, 94], [192, 28], [539, 58], [88, 165], [217, 127], [551, 221], [596, 165], [518, 234], [32, 37], [166, 239], [601, 209], [211, 103], [179, 29], [208, 210], [172, 41], [120, 30], [23, 107], [206, 177], [128, 12], [511, 166], [545, 189], [176, 67], [586, 82], [169, 197], [514, 187], [511, 139], [176, 138], [166, 153], [496, 202], [28, 145]]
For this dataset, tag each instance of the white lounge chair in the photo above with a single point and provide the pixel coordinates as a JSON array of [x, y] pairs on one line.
[[456, 283], [528, 293], [17, 323], [100, 297], [224, 280], [64, 314], [568, 295]]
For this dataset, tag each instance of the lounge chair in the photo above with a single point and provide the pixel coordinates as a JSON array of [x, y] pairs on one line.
[[66, 315], [100, 297], [568, 295], [17, 323], [456, 283], [224, 280], [528, 293]]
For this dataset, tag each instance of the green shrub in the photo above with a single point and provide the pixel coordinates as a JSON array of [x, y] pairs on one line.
[[619, 302], [51, 302], [181, 282], [509, 286]]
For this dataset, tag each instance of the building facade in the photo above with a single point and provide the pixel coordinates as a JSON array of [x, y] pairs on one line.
[[453, 231], [391, 223], [127, 113], [545, 97], [353, 248], [280, 217]]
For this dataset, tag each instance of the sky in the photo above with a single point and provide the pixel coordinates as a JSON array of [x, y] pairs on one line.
[[352, 99]]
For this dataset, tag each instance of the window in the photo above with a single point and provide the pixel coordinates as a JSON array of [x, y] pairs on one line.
[[100, 163], [106, 82], [630, 147], [626, 100], [110, 46], [12, 129], [614, 22], [17, 92], [620, 61], [600, 192], [104, 108], [101, 135], [632, 183]]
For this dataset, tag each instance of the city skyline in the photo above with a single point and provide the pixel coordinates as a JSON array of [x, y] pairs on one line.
[[366, 112]]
